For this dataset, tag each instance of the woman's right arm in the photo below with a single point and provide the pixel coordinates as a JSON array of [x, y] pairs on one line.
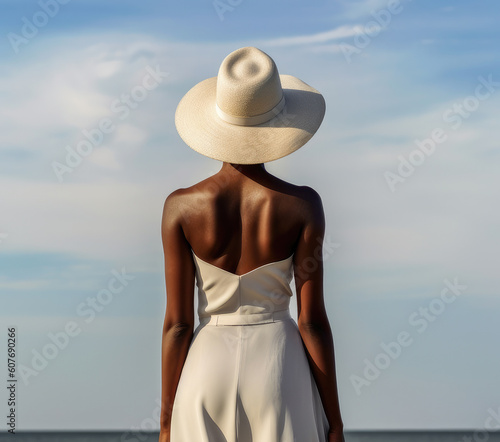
[[312, 319]]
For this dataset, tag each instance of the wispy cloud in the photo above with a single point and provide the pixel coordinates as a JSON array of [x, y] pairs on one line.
[[322, 37]]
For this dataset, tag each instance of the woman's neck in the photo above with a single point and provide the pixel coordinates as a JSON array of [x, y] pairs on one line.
[[248, 170]]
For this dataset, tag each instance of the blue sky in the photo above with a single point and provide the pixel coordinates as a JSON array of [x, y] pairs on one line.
[[431, 70]]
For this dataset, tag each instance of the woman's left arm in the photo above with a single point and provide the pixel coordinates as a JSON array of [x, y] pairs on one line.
[[179, 317]]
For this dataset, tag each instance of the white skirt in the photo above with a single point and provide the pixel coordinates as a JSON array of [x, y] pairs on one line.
[[248, 383]]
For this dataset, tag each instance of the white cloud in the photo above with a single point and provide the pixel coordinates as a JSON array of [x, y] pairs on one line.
[[129, 137], [105, 157], [70, 86], [321, 37]]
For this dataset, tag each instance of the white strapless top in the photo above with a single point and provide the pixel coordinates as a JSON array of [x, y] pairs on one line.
[[258, 296]]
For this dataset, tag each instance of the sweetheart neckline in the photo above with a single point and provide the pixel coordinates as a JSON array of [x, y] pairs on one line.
[[244, 274]]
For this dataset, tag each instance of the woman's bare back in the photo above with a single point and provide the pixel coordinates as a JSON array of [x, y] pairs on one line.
[[239, 220]]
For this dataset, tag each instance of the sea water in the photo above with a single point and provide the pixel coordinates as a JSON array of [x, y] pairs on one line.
[[350, 436]]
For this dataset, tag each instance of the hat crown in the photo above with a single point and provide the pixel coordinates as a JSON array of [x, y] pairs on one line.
[[248, 83]]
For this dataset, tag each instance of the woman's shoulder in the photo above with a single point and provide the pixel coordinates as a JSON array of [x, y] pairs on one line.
[[308, 194], [176, 202], [311, 204], [305, 195], [301, 200], [184, 192], [184, 200]]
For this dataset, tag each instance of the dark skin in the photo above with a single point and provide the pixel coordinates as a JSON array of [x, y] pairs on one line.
[[239, 219]]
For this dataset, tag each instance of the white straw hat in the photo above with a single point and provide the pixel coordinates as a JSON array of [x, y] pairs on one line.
[[249, 114]]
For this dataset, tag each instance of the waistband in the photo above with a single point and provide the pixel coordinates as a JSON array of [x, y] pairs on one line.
[[248, 319]]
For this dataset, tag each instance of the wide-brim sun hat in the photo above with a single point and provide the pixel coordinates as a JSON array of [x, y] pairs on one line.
[[249, 113]]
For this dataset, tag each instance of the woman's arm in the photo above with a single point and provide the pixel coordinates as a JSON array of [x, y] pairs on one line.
[[179, 317], [312, 320]]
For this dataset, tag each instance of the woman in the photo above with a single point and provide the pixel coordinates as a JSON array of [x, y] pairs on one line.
[[248, 372]]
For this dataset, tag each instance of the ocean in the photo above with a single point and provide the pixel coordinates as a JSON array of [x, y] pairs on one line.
[[350, 436]]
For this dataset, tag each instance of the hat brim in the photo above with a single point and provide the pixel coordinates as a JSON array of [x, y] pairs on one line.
[[205, 132]]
